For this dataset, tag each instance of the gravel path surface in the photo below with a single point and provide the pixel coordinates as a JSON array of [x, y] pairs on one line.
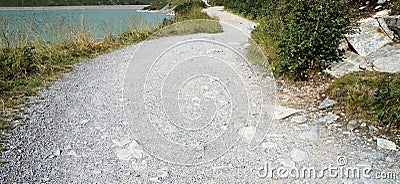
[[92, 126]]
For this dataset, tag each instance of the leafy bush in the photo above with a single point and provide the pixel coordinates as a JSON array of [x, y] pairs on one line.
[[188, 6], [300, 37], [312, 34]]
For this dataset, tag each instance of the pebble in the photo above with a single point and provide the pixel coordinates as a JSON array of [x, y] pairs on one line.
[[327, 103], [298, 155], [385, 144], [381, 1], [353, 124], [155, 179], [299, 119], [329, 118]]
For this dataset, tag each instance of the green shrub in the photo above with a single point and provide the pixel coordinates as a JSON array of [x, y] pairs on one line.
[[395, 10], [300, 37], [186, 7], [311, 35]]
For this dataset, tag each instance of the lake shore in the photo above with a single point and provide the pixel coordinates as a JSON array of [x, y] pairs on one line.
[[76, 7]]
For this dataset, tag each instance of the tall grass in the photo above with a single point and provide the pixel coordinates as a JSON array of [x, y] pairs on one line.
[[30, 59]]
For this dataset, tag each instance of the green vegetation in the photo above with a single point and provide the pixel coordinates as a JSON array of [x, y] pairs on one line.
[[159, 4], [370, 96], [199, 22], [30, 65], [395, 9], [20, 3], [300, 38]]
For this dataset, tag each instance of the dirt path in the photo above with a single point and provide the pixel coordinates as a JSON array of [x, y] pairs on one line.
[[109, 121]]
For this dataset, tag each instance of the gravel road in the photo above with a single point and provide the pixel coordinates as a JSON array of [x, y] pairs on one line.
[[146, 114]]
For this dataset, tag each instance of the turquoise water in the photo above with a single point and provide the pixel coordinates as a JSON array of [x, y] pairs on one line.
[[53, 24]]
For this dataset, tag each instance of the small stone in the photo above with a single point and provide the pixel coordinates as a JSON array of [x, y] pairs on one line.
[[362, 8], [327, 103], [164, 174], [298, 155], [311, 135], [381, 1], [372, 155], [346, 132], [268, 145], [390, 159], [372, 128], [385, 144], [154, 180], [67, 147], [122, 154], [353, 124], [329, 118], [378, 7], [247, 133], [137, 153], [287, 162], [381, 14], [57, 152], [299, 119], [71, 153]]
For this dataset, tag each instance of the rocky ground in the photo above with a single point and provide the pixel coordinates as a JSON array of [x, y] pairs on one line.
[[92, 126]]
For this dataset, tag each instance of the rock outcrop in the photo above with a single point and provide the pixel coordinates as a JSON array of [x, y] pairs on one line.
[[370, 45]]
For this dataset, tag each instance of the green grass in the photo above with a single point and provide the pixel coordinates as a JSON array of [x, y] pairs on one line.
[[156, 5], [370, 96], [31, 65]]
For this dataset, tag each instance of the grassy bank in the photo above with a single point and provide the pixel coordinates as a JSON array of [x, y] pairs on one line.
[[370, 96], [30, 65]]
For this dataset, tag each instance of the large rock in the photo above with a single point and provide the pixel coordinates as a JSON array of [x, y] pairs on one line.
[[351, 63], [393, 23], [385, 144], [386, 59], [367, 37]]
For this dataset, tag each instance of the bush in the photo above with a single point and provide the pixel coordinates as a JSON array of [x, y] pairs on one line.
[[300, 37], [186, 7], [311, 36]]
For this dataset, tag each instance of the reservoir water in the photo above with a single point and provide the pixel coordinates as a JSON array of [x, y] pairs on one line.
[[51, 23]]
